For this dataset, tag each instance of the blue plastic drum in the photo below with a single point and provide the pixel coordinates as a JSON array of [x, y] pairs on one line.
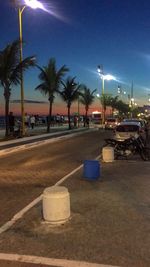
[[91, 169]]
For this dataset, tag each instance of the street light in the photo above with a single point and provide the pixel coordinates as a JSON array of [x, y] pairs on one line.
[[34, 4], [121, 91], [103, 77]]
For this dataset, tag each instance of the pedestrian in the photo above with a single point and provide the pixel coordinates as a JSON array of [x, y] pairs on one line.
[[87, 121], [32, 121], [75, 121], [26, 120], [11, 120], [84, 121], [17, 131]]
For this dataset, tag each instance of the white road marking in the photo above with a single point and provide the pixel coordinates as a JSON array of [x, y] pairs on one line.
[[68, 175], [19, 214], [49, 261]]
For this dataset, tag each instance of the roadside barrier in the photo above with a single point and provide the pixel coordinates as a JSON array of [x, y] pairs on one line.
[[108, 154], [56, 204]]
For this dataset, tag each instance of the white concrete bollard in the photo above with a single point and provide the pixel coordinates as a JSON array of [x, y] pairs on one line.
[[108, 154], [56, 204]]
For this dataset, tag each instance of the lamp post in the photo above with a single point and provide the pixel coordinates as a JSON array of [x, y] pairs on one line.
[[78, 111], [103, 77], [34, 4], [20, 11]]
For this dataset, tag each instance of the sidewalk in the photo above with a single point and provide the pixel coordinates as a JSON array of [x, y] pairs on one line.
[[38, 130], [42, 130]]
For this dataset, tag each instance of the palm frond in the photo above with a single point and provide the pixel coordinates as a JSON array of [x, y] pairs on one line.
[[70, 91], [42, 88], [51, 77]]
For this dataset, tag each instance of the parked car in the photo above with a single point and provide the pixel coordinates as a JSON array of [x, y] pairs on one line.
[[142, 122], [111, 123], [126, 130]]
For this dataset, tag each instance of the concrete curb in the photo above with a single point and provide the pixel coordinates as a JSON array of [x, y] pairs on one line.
[[30, 138], [61, 136]]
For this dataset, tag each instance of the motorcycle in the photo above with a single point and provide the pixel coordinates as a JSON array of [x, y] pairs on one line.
[[129, 147]]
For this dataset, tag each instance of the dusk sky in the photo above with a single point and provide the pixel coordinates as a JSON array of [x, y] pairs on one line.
[[83, 34]]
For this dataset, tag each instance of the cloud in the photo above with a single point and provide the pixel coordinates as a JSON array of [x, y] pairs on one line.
[[17, 101]]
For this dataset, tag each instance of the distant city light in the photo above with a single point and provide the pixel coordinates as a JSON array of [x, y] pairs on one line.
[[96, 112]]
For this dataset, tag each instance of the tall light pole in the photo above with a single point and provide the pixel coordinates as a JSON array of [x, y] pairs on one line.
[[103, 77], [20, 11], [34, 4], [101, 74], [78, 111]]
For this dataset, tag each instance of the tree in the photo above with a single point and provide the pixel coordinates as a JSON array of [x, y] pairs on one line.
[[10, 72], [87, 97], [51, 80], [106, 102], [123, 108], [69, 94], [113, 103]]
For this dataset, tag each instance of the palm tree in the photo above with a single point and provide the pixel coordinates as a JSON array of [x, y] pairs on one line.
[[123, 108], [69, 94], [10, 72], [87, 98], [106, 102], [50, 79], [113, 103]]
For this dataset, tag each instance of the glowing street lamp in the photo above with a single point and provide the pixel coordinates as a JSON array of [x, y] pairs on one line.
[[34, 4], [103, 77], [109, 77]]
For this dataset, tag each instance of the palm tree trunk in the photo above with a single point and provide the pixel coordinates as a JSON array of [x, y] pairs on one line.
[[85, 119], [49, 117], [104, 113], [69, 121], [86, 112]]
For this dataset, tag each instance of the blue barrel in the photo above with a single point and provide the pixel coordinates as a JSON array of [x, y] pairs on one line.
[[91, 169]]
